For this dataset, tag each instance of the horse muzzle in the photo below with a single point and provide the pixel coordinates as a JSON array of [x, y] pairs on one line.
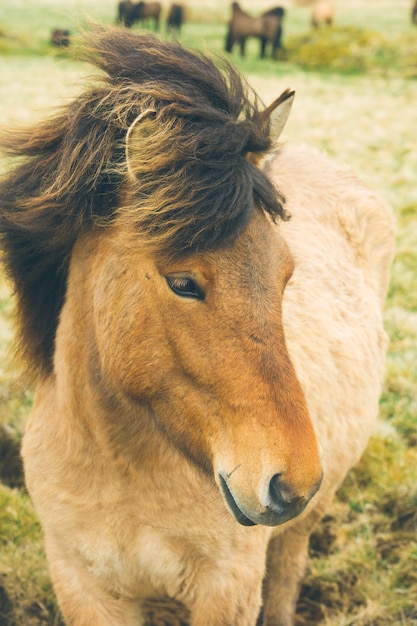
[[281, 506]]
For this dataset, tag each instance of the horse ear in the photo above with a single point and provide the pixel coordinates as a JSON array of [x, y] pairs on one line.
[[275, 116], [278, 113]]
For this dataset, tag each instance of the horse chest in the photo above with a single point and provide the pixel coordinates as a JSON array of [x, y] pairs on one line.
[[137, 560]]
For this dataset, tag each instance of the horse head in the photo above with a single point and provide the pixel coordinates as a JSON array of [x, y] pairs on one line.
[[159, 254]]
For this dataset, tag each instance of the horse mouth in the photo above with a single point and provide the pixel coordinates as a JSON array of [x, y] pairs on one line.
[[239, 516], [275, 513]]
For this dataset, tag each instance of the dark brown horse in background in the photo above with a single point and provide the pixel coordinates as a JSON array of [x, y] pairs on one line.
[[175, 18], [267, 28], [131, 12], [127, 13], [61, 38], [150, 12]]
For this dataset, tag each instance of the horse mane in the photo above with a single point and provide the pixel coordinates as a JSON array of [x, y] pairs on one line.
[[191, 186]]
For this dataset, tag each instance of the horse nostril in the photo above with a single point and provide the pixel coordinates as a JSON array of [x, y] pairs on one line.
[[281, 497], [283, 500]]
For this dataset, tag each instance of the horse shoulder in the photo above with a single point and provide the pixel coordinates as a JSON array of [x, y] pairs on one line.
[[341, 236]]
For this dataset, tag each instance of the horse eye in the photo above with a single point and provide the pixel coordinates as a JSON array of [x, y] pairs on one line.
[[185, 287]]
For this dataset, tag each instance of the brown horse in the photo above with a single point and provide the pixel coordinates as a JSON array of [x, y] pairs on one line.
[[61, 38], [175, 18], [414, 13], [149, 12], [130, 12], [127, 13], [160, 287], [267, 28]]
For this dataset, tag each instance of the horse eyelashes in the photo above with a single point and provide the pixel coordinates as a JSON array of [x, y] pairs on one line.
[[185, 287]]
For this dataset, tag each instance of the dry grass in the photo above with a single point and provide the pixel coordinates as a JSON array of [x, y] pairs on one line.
[[363, 567]]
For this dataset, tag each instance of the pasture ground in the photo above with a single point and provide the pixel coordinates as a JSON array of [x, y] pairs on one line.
[[356, 94]]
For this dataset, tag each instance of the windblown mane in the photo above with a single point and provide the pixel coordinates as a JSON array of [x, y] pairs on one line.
[[185, 161]]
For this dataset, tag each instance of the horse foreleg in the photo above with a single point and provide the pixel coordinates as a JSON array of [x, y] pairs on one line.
[[229, 593], [235, 607], [242, 42], [229, 41], [84, 603], [263, 46], [286, 564], [287, 557], [277, 42]]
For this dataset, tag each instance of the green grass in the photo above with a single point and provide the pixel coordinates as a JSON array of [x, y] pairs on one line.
[[26, 595], [353, 46], [355, 98]]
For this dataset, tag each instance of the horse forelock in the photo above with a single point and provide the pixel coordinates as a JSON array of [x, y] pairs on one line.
[[191, 186]]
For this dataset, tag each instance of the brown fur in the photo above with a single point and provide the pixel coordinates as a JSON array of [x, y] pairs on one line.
[[149, 11], [266, 27], [175, 18], [60, 38], [75, 167], [197, 351], [129, 12], [126, 13], [414, 13]]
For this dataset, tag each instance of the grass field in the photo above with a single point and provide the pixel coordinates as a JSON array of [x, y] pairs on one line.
[[356, 94]]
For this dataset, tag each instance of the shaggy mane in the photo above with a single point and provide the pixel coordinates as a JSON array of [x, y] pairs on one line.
[[191, 187]]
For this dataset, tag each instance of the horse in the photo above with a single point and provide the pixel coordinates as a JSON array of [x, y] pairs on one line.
[[61, 38], [130, 12], [323, 13], [175, 18], [267, 28], [149, 11], [202, 311], [127, 13], [414, 13]]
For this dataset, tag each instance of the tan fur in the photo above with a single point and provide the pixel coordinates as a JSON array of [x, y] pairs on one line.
[[133, 518], [341, 236], [199, 362], [323, 13]]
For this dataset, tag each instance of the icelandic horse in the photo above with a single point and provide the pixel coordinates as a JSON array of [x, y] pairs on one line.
[[266, 27], [149, 12], [202, 310], [129, 12], [414, 13], [323, 13], [175, 19]]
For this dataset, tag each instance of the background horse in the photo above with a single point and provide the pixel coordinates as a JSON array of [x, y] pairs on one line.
[[130, 12], [323, 13], [175, 18], [267, 28], [126, 13], [414, 13], [194, 347], [149, 12], [61, 38]]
